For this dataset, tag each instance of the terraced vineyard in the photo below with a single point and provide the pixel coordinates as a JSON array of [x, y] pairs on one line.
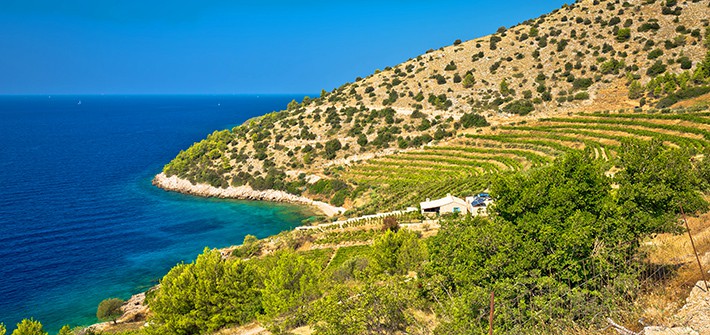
[[464, 165]]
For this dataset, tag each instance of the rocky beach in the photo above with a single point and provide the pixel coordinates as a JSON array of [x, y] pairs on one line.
[[175, 184]]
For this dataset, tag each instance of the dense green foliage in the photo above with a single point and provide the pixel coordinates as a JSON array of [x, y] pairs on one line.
[[520, 107], [550, 224], [469, 120], [205, 296], [289, 286], [682, 94], [29, 327]]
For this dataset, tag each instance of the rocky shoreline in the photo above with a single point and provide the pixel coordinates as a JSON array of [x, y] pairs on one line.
[[245, 192]]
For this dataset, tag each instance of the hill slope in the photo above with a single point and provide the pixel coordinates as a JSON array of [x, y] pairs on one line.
[[590, 56]]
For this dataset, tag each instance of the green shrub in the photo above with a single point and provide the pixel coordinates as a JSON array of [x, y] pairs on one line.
[[520, 107], [648, 26], [204, 296], [624, 34], [582, 83], [655, 54], [331, 148], [581, 96], [469, 120], [682, 94], [657, 68], [685, 63]]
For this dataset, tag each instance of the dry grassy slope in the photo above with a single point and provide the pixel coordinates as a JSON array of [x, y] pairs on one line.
[[586, 27], [561, 24]]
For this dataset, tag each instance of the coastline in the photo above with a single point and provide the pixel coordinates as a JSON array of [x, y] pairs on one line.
[[244, 192]]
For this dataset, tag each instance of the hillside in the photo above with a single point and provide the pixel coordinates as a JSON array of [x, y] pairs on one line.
[[589, 56]]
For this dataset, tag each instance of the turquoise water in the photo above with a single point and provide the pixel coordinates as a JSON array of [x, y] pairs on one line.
[[80, 219]]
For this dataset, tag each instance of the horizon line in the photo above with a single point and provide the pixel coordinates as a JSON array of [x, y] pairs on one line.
[[313, 95]]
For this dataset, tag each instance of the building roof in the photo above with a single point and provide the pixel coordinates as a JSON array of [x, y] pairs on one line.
[[443, 201]]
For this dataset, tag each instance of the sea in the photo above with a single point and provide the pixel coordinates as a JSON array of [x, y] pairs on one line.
[[79, 219]]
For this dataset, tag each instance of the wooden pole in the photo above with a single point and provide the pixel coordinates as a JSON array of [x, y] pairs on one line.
[[695, 251], [490, 316]]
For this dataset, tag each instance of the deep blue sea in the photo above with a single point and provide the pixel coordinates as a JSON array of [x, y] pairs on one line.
[[79, 218]]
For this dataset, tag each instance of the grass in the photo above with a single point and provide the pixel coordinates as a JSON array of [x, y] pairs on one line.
[[675, 253]]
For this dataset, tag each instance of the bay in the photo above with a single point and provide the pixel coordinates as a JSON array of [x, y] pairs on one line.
[[79, 218]]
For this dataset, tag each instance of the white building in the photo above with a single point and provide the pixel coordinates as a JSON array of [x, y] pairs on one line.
[[445, 205]]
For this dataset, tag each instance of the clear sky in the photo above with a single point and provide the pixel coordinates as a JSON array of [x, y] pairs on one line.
[[222, 46]]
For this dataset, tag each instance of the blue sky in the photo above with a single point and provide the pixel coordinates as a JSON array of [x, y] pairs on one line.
[[224, 47]]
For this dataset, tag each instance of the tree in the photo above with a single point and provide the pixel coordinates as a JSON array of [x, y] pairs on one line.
[[331, 148], [504, 87], [702, 71], [3, 330], [249, 248], [397, 253], [205, 295], [110, 309], [654, 180], [29, 327], [290, 285], [635, 90], [657, 68], [520, 107]]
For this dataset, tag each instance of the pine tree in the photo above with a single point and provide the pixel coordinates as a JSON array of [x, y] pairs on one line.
[[29, 327]]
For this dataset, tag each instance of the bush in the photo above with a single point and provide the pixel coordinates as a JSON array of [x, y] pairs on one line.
[[520, 107], [624, 34], [657, 68], [635, 90], [685, 63], [468, 81], [682, 94], [397, 253], [581, 96], [290, 285], [655, 54], [250, 247], [582, 83], [390, 224], [649, 26], [338, 198], [331, 148], [372, 308], [469, 120]]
